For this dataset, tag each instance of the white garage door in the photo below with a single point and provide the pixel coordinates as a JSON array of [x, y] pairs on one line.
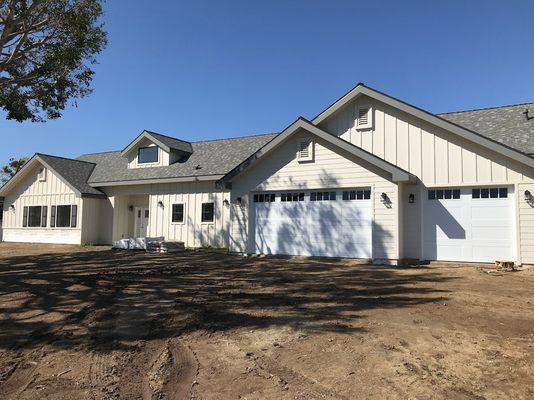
[[469, 224], [333, 223]]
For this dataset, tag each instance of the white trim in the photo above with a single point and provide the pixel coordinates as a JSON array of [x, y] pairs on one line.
[[145, 135], [200, 178], [184, 213]]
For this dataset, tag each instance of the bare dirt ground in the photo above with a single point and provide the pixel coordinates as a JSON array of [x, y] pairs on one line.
[[91, 323]]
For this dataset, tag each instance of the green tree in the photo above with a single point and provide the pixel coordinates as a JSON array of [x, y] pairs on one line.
[[47, 49], [8, 171]]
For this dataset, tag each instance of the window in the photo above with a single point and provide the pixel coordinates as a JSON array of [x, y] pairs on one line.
[[63, 216], [447, 194], [147, 155], [362, 194], [364, 117], [292, 197], [177, 213], [490, 193], [207, 212], [34, 216], [264, 198], [322, 196], [305, 150]]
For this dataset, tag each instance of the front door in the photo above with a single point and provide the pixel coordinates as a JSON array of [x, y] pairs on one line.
[[141, 221]]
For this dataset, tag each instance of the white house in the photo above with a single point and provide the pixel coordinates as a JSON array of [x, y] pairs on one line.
[[370, 177]]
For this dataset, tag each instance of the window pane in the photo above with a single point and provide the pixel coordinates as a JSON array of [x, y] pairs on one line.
[[439, 194], [494, 193], [431, 195], [353, 195], [332, 195], [366, 194], [448, 194], [313, 196], [484, 193], [255, 198], [319, 196], [476, 193], [456, 194], [301, 196], [345, 195], [63, 216], [177, 213], [503, 193], [359, 194], [283, 197], [147, 154], [34, 216], [207, 212], [326, 196], [261, 198]]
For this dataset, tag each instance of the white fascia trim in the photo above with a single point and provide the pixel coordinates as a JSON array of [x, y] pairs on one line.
[[472, 136], [202, 178], [148, 136]]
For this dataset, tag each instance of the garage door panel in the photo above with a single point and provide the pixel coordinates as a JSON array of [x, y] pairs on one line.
[[469, 229], [330, 228]]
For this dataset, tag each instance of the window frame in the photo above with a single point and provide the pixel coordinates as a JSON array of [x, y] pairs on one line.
[[57, 214], [356, 194], [202, 219], [144, 148], [40, 219], [183, 213]]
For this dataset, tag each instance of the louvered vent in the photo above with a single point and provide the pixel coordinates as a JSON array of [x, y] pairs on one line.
[[363, 116], [305, 150]]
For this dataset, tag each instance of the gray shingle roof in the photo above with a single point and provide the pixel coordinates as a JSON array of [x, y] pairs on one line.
[[506, 125], [214, 157], [75, 172]]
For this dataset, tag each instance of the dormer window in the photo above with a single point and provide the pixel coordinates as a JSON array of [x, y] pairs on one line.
[[147, 155]]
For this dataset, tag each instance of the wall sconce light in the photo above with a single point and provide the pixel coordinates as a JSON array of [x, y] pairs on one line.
[[528, 196], [226, 202], [384, 196], [12, 207], [130, 207], [238, 200], [411, 198], [160, 204]]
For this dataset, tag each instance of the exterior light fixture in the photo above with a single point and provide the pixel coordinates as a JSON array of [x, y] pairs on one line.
[[528, 195], [238, 200], [411, 198], [226, 202], [12, 207], [130, 207], [384, 196], [160, 204]]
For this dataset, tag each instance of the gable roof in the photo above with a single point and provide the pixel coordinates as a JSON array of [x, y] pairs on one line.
[[517, 154], [75, 173], [167, 143], [397, 174], [209, 159], [507, 125]]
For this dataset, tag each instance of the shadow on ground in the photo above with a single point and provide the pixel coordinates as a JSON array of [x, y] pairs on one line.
[[104, 298]]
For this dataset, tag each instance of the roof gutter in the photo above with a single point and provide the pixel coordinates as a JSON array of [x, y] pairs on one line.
[[200, 178]]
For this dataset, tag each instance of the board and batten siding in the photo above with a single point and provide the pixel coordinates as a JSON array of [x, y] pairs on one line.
[[32, 192], [437, 158], [331, 168], [193, 232]]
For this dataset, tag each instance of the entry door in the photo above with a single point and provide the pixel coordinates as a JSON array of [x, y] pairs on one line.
[[469, 224], [141, 222], [329, 223]]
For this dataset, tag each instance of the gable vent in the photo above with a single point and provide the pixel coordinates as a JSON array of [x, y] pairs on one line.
[[363, 116], [305, 150]]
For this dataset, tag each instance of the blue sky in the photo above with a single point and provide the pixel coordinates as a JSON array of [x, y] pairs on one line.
[[200, 70]]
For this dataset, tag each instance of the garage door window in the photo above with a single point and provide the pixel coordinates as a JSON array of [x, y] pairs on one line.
[[322, 196], [490, 193], [447, 194], [292, 197], [264, 198], [357, 194]]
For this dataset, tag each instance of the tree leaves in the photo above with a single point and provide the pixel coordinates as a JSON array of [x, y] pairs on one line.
[[47, 48]]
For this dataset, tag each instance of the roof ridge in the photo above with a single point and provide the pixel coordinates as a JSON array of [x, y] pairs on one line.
[[64, 158], [236, 137], [486, 108], [98, 152], [167, 136]]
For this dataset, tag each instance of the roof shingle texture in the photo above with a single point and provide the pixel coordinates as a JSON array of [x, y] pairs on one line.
[[172, 143], [507, 125], [75, 172], [214, 157]]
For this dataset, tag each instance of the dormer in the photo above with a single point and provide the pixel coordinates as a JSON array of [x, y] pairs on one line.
[[151, 149]]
